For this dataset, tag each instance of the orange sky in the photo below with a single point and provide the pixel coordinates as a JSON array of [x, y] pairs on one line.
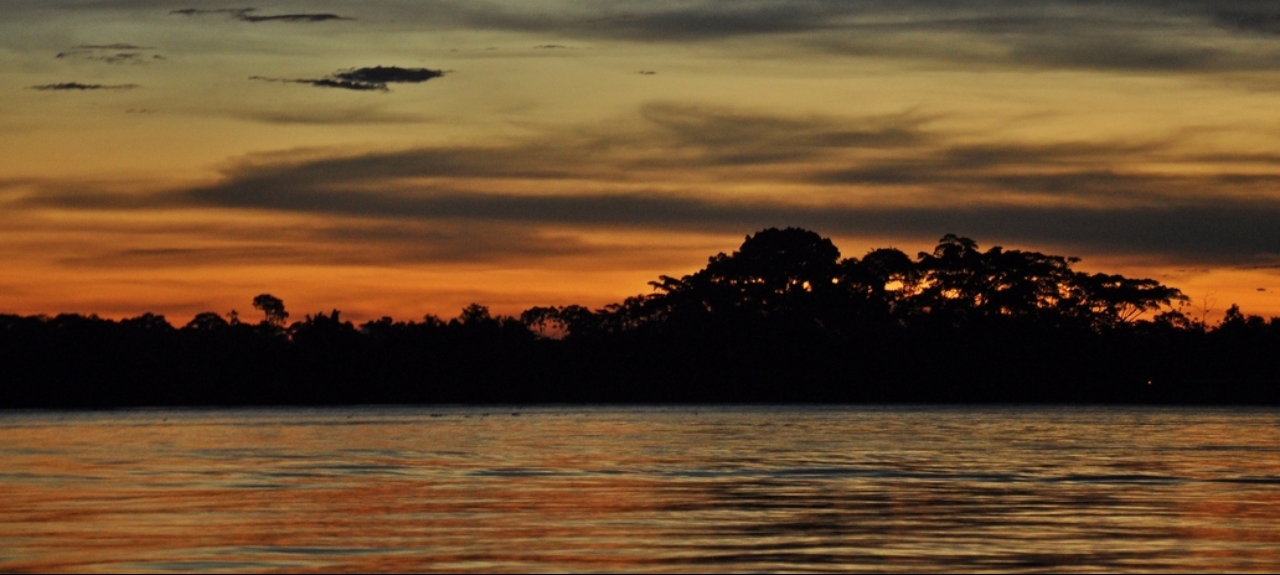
[[573, 151]]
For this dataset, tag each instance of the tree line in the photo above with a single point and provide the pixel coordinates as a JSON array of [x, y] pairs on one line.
[[783, 319]]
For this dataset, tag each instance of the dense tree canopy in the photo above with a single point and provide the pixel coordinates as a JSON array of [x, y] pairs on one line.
[[796, 275]]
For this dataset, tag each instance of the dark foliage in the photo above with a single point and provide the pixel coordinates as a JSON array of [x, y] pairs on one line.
[[783, 319]]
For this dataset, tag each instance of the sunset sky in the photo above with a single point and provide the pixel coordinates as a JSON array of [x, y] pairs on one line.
[[177, 157]]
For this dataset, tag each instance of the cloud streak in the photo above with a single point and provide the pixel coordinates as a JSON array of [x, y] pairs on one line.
[[327, 83], [250, 15], [1206, 37], [79, 87], [373, 79], [357, 244], [1172, 37], [1237, 233]]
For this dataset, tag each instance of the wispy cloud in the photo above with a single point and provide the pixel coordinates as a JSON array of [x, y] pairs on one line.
[[373, 79], [111, 53], [327, 83], [693, 169]]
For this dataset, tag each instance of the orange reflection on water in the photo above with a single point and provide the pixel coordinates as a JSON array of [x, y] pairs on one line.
[[677, 489]]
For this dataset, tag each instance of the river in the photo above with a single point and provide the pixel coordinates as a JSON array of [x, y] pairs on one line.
[[642, 489]]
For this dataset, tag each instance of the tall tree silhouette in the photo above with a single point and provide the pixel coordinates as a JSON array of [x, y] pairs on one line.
[[888, 273], [1112, 300], [788, 272], [272, 309], [961, 282]]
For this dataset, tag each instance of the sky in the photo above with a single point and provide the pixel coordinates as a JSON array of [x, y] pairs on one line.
[[178, 157]]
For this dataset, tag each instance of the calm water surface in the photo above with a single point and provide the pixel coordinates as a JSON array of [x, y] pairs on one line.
[[642, 489]]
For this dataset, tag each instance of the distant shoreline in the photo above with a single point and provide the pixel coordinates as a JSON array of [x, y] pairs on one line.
[[784, 320]]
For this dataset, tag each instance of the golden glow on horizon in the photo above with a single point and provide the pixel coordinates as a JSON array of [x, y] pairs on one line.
[[728, 119]]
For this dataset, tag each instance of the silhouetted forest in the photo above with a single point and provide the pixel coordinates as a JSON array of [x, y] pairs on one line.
[[783, 319]]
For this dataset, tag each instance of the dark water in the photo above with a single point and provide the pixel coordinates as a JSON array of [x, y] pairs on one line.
[[645, 489]]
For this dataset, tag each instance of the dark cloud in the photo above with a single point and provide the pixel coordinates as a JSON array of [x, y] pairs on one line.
[[292, 18], [248, 15], [235, 13], [387, 75], [78, 87], [373, 79]]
